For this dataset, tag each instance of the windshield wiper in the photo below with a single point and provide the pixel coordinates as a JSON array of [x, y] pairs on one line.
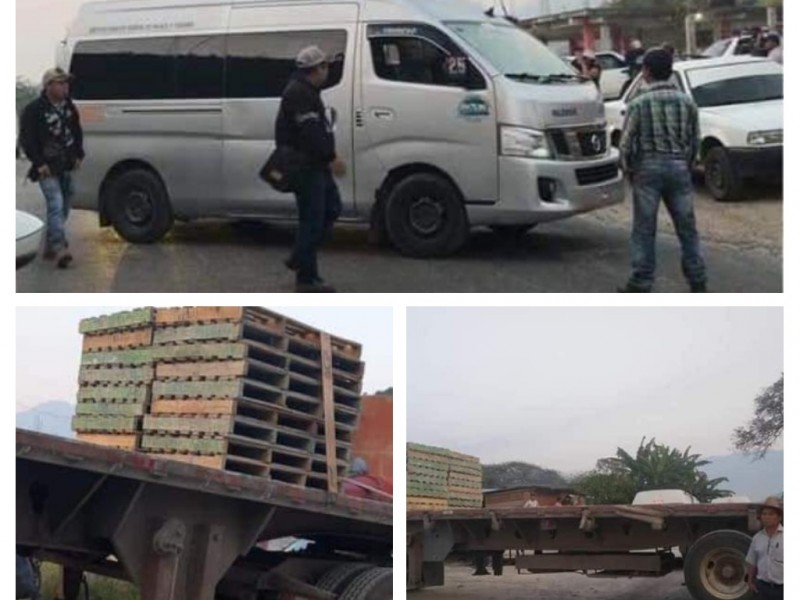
[[523, 76], [563, 77]]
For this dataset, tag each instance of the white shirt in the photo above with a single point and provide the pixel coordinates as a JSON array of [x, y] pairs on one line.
[[766, 554]]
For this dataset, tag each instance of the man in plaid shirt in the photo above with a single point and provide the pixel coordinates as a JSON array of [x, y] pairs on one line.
[[659, 145]]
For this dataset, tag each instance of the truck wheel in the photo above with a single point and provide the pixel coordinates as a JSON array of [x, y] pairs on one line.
[[722, 180], [375, 584], [138, 207], [715, 569], [425, 217], [339, 577]]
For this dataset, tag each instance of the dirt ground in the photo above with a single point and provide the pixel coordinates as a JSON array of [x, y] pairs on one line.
[[460, 584]]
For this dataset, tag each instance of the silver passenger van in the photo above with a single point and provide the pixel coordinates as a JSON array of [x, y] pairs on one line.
[[447, 118]]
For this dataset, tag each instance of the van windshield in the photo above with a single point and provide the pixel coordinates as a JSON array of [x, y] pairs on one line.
[[512, 51]]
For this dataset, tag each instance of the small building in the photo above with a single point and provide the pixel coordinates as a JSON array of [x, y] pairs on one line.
[[528, 495], [603, 26]]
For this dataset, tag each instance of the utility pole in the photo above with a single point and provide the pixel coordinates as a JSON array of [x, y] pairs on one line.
[[690, 30]]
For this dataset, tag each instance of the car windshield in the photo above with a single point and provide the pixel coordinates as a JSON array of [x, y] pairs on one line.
[[717, 48], [736, 84], [513, 52]]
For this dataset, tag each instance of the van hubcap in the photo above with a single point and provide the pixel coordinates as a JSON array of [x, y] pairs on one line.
[[138, 207], [426, 215]]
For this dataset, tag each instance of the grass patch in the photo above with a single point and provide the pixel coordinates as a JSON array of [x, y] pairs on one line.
[[100, 588]]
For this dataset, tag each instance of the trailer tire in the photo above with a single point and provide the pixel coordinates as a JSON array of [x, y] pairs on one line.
[[138, 206], [425, 216], [714, 568], [340, 576], [375, 584]]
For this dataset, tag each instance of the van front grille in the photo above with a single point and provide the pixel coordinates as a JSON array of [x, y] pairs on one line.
[[592, 175], [579, 143]]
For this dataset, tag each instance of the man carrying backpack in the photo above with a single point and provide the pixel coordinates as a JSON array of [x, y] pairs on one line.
[[52, 138]]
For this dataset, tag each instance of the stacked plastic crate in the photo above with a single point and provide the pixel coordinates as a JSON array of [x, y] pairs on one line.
[[115, 378], [438, 478]]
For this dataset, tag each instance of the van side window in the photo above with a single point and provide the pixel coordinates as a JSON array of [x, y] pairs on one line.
[[132, 69], [416, 60], [199, 66], [259, 65]]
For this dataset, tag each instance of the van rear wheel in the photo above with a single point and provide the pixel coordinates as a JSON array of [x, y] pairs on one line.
[[425, 216], [138, 207]]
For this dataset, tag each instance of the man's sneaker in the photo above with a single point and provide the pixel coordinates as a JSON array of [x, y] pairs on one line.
[[632, 289], [317, 287], [63, 259], [699, 288]]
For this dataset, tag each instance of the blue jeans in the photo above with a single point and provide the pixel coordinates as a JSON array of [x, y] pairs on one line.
[[318, 207], [671, 180], [58, 191]]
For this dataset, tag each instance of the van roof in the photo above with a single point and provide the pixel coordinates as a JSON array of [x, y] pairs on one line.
[[437, 9]]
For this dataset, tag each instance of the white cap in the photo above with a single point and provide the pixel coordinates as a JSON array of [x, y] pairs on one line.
[[310, 57], [56, 74]]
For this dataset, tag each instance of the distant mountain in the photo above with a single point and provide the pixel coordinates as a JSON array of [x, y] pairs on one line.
[[756, 479], [54, 418]]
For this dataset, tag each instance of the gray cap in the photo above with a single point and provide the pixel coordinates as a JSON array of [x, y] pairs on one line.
[[359, 467], [56, 74], [310, 57]]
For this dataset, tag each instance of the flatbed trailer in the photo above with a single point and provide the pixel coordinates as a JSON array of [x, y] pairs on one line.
[[601, 540], [184, 532]]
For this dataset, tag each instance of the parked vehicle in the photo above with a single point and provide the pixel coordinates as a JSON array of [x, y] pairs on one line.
[[614, 73], [747, 45], [740, 101], [731, 500], [180, 531], [30, 230], [664, 497], [447, 118], [627, 541]]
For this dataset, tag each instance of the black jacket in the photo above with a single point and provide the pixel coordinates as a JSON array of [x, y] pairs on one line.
[[43, 136], [302, 125]]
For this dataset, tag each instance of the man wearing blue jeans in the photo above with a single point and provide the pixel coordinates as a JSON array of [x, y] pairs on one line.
[[659, 145], [303, 124], [52, 138]]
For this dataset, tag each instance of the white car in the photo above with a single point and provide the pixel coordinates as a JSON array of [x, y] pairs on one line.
[[732, 500], [664, 497], [614, 73], [740, 101], [29, 238]]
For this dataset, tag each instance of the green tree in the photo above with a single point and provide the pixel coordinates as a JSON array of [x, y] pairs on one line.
[[654, 466], [604, 488], [766, 426], [514, 474]]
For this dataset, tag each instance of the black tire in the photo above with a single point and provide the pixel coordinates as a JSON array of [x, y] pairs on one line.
[[715, 569], [375, 584], [138, 207], [722, 180], [425, 217], [340, 576], [511, 231]]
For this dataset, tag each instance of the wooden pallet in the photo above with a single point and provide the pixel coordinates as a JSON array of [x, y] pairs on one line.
[[106, 424], [115, 375], [116, 340], [123, 441], [425, 503], [132, 319]]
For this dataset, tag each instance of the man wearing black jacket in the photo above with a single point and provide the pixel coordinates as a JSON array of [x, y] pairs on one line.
[[303, 125], [52, 138]]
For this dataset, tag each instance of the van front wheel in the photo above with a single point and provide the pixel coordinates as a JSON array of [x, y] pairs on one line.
[[138, 207], [425, 217]]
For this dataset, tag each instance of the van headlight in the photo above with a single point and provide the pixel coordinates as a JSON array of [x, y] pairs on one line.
[[518, 141], [762, 138]]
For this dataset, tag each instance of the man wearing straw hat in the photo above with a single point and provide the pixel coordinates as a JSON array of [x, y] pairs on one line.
[[765, 557]]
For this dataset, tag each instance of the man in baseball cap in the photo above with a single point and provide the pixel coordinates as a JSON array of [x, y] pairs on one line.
[[302, 124], [765, 557], [52, 138]]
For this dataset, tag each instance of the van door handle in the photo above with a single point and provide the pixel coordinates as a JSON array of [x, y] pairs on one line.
[[383, 113]]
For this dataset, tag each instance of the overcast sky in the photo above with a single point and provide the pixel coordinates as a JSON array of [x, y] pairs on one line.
[[564, 387], [41, 24], [49, 346]]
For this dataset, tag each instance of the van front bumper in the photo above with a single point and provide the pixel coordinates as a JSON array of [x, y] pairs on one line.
[[534, 191], [764, 162]]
